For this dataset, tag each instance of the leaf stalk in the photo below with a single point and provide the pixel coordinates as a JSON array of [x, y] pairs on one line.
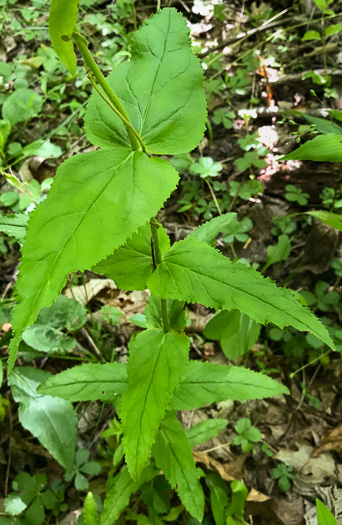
[[115, 103], [157, 259]]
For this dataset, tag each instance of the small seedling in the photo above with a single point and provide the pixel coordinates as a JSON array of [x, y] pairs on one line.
[[294, 194], [206, 167], [82, 466], [247, 435], [30, 498], [283, 473]]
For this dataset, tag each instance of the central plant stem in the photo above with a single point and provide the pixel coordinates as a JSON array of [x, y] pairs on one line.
[[109, 94], [157, 259]]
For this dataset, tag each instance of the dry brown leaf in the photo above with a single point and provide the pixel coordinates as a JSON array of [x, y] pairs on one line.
[[228, 471], [259, 497], [330, 441], [83, 294]]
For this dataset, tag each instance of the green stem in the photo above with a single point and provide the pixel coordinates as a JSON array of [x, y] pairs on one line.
[[81, 43], [157, 259], [127, 124], [213, 196]]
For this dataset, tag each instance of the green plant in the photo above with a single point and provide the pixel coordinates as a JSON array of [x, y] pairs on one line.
[[283, 473], [223, 116], [226, 510], [324, 515], [100, 214], [30, 498], [294, 194], [247, 435], [326, 32], [81, 467]]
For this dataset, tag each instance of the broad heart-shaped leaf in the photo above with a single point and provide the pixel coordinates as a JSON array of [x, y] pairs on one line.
[[155, 366], [324, 148], [96, 202], [119, 493], [172, 453], [88, 382], [62, 20], [131, 265], [161, 89], [209, 230], [51, 420], [193, 271], [210, 383]]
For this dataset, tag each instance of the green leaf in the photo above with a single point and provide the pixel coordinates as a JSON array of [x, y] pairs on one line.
[[52, 421], [161, 89], [218, 497], [86, 215], [42, 338], [62, 20], [321, 4], [237, 230], [155, 366], [206, 167], [209, 383], [87, 382], [89, 510], [279, 252], [173, 455], [118, 496], [193, 271], [208, 231], [332, 219], [175, 313], [237, 332], [324, 148], [333, 29], [41, 148], [324, 126], [324, 516], [14, 505], [205, 430], [21, 106], [5, 130], [239, 496], [14, 225], [311, 35], [131, 265]]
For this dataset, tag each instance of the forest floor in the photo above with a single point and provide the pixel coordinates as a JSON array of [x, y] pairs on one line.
[[262, 80]]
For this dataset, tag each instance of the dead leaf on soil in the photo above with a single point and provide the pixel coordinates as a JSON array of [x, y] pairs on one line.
[[83, 294], [228, 471], [330, 441]]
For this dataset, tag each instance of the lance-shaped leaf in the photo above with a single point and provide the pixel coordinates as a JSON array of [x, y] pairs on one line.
[[208, 231], [131, 265], [155, 366], [323, 148], [205, 430], [52, 421], [96, 202], [161, 90], [209, 383], [118, 495], [172, 453], [193, 271], [88, 382], [62, 20]]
